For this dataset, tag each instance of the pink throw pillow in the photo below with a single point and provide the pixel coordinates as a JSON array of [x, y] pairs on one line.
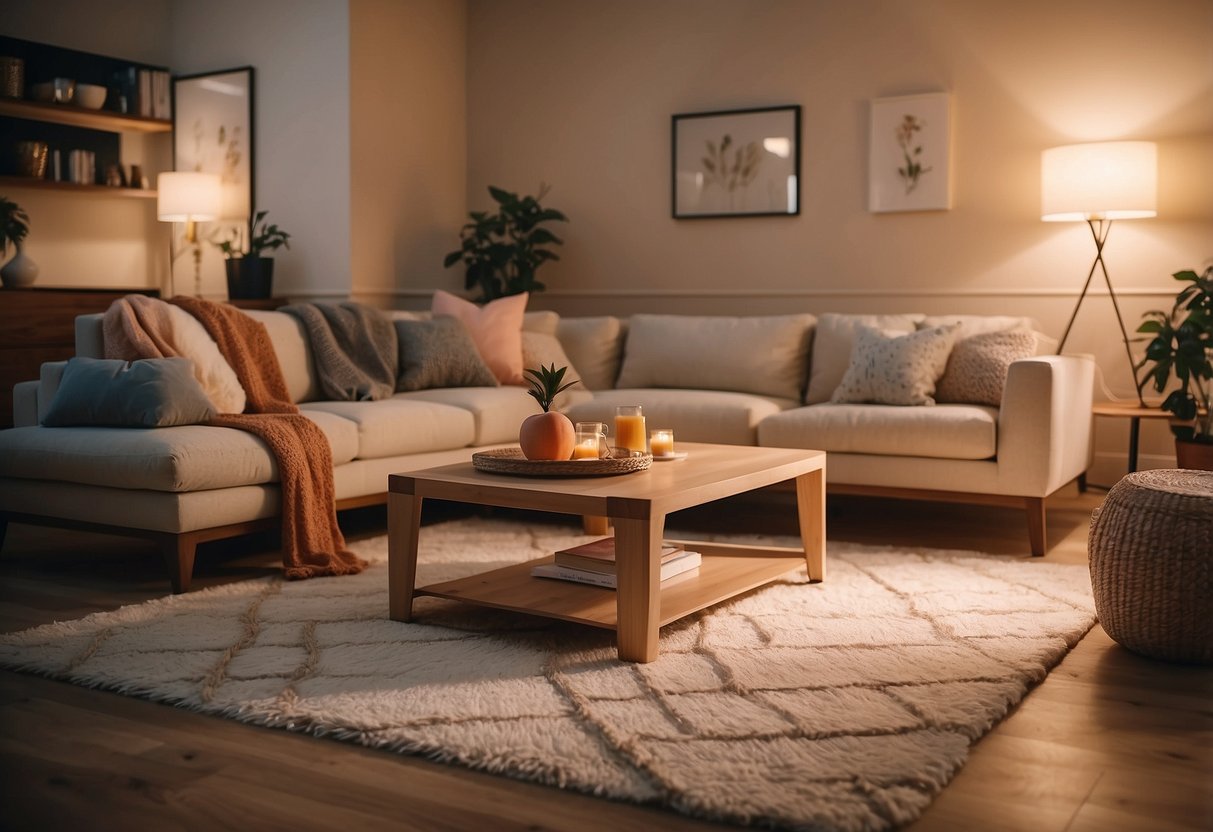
[[496, 329]]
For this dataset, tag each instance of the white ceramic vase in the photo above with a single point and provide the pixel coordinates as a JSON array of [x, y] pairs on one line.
[[20, 271]]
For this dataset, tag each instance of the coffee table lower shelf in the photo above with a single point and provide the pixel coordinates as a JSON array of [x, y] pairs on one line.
[[726, 571]]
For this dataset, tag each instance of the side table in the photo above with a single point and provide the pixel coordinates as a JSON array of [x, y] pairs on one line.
[[1134, 412]]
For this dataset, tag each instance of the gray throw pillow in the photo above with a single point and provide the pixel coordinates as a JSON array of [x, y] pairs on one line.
[[891, 368], [439, 353], [109, 392]]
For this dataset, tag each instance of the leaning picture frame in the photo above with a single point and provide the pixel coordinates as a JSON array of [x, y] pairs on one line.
[[736, 163], [909, 153], [213, 133]]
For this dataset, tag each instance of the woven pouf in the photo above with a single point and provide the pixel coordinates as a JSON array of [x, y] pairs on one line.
[[1151, 550]]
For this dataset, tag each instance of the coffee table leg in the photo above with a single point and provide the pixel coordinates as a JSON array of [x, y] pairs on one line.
[[638, 588], [811, 508], [403, 525]]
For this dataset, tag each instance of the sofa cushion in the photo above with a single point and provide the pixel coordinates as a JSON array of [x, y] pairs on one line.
[[496, 328], [149, 393], [765, 356], [977, 368], [595, 346], [497, 412], [833, 338], [187, 458], [971, 325], [946, 431], [694, 415], [896, 368], [294, 353], [390, 427], [439, 353]]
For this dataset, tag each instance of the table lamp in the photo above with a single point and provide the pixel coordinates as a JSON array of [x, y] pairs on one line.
[[189, 197], [1100, 182]]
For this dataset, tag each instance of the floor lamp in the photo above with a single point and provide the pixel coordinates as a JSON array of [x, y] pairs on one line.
[[1100, 182], [191, 198]]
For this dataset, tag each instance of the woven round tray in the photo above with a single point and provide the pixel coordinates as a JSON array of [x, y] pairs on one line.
[[511, 461]]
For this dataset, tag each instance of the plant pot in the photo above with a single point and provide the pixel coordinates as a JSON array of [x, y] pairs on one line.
[[20, 271], [1194, 455], [249, 277]]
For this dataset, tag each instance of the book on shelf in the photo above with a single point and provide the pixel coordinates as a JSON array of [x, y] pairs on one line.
[[682, 562], [599, 555]]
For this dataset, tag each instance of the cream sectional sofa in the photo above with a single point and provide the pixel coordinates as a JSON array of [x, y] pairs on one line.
[[728, 380]]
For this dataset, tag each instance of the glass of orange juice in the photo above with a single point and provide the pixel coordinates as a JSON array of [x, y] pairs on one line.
[[629, 428]]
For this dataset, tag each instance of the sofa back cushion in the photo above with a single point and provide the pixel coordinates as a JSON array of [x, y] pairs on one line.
[[765, 356], [294, 353], [832, 343], [595, 346]]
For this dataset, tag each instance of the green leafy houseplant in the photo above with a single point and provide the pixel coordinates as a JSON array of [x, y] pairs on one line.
[[502, 250], [1183, 346], [14, 224], [250, 274]]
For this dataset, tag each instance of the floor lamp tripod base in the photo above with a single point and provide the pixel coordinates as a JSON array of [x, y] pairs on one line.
[[1099, 232]]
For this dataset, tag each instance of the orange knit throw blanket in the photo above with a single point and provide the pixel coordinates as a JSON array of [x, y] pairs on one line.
[[312, 543]]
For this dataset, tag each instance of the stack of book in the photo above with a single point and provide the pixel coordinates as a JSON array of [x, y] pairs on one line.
[[594, 563]]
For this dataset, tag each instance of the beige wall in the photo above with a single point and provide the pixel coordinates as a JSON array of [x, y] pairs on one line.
[[408, 143], [580, 94], [300, 51], [89, 239]]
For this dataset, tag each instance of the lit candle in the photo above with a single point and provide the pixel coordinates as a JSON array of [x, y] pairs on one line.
[[586, 449], [662, 442]]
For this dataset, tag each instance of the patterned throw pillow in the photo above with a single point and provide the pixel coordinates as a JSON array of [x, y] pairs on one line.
[[439, 353], [977, 368], [891, 368]]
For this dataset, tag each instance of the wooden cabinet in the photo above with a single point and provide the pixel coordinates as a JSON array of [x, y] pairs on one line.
[[39, 324]]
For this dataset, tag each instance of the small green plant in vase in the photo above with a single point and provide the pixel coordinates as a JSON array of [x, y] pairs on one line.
[[1182, 346], [250, 272], [550, 434]]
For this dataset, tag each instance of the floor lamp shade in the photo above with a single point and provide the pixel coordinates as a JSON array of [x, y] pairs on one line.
[[186, 196], [1099, 181]]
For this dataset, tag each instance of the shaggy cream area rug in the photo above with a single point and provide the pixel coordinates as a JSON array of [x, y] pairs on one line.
[[843, 705]]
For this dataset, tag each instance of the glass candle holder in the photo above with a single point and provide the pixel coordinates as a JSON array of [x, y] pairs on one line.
[[590, 442], [629, 428], [661, 442]]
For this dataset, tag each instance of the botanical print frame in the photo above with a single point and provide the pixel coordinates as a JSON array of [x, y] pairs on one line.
[[213, 133], [736, 163], [909, 163]]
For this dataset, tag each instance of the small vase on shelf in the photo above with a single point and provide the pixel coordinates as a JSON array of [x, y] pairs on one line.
[[19, 272]]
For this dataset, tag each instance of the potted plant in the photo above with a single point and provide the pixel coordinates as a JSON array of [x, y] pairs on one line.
[[503, 250], [1183, 346], [250, 274], [14, 227]]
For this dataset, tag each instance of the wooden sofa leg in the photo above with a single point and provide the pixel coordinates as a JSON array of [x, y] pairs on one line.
[[179, 552], [1036, 525]]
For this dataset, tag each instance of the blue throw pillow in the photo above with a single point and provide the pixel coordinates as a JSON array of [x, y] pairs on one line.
[[150, 393]]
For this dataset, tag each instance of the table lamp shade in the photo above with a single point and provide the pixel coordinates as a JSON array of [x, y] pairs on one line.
[[186, 196], [1099, 181]]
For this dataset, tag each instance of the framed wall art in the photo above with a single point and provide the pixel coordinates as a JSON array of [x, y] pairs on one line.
[[910, 153], [736, 163], [213, 133]]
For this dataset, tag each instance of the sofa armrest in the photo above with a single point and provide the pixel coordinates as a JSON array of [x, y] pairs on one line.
[[25, 404], [1044, 424]]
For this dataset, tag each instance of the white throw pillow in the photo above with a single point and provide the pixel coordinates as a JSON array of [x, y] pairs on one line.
[[765, 356], [832, 342], [891, 368]]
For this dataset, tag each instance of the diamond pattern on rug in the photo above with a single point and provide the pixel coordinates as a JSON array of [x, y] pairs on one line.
[[844, 705]]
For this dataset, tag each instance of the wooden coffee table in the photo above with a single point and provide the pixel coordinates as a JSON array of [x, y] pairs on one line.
[[637, 505]]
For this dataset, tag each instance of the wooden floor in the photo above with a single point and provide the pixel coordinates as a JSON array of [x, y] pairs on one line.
[[1109, 741]]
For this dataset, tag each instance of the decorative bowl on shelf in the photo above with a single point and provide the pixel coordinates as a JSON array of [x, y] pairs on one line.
[[90, 96], [58, 91]]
